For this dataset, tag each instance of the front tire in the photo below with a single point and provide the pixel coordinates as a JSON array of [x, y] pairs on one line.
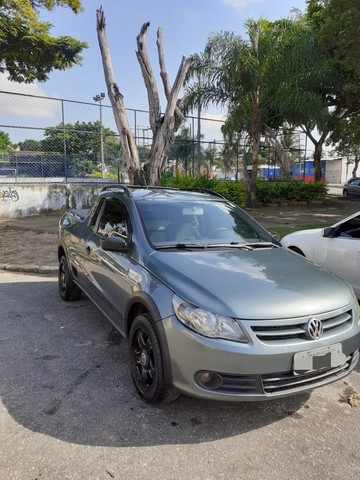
[[146, 362], [67, 288]]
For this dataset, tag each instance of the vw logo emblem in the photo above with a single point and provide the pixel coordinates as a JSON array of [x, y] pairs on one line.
[[314, 328]]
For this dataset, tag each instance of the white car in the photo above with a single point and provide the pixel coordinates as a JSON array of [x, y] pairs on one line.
[[336, 248]]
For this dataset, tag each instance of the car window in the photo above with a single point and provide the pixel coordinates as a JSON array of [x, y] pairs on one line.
[[201, 222], [94, 213], [113, 220], [352, 180], [350, 229]]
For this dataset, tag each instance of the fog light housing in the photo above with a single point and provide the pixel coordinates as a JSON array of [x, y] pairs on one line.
[[208, 380]]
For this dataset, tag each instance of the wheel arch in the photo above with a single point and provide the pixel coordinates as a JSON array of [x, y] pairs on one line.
[[297, 250], [61, 252], [142, 303]]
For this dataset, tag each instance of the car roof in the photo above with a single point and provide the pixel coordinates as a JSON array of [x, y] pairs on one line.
[[161, 193]]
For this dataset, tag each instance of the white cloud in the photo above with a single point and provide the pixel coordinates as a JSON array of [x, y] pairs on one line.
[[211, 126], [24, 106], [240, 4], [26, 88]]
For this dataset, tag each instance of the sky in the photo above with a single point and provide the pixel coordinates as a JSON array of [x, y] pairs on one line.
[[186, 26]]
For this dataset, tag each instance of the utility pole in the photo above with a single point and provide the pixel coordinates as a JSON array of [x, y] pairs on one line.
[[99, 98]]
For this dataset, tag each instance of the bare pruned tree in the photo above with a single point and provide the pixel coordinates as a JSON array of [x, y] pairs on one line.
[[163, 126]]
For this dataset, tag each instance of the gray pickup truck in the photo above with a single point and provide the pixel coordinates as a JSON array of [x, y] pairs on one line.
[[210, 303]]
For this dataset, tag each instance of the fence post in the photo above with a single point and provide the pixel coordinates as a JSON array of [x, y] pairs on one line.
[[64, 139]]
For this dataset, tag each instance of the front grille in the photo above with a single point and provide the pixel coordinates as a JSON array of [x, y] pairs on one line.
[[295, 329], [241, 384], [284, 381]]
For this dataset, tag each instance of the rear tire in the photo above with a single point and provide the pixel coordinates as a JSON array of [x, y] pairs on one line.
[[67, 288], [146, 362]]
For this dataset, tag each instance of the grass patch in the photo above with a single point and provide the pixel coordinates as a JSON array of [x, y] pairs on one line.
[[281, 231]]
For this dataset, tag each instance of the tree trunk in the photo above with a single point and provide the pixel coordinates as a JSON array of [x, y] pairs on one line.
[[255, 134], [128, 144], [163, 127], [356, 164], [317, 162], [318, 144]]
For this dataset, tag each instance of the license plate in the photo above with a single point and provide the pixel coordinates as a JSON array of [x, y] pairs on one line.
[[319, 358]]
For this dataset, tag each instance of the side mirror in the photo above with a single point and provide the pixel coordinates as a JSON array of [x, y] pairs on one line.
[[114, 244], [329, 232]]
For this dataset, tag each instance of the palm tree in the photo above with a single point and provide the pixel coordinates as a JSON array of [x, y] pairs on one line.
[[238, 75]]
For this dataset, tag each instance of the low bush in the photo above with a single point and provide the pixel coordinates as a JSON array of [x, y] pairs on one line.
[[296, 190], [266, 192]]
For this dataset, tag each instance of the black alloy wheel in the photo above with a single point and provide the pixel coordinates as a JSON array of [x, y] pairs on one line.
[[67, 288], [146, 362]]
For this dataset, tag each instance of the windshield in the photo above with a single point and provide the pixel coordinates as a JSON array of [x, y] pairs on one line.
[[196, 222]]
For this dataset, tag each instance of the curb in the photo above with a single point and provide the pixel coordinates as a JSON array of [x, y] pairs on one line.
[[29, 268]]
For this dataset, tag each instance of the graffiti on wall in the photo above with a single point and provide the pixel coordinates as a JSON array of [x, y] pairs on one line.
[[8, 195]]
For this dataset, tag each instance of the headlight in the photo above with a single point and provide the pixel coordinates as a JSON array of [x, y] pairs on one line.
[[206, 323], [356, 308]]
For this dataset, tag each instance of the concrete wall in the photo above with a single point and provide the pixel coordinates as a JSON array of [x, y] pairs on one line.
[[22, 200]]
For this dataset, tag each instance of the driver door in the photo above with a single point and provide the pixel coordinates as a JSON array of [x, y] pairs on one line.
[[108, 270]]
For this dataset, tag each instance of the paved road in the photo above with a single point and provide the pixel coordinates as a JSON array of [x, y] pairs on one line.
[[68, 409]]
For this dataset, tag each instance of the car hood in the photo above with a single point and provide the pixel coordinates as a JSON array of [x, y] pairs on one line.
[[257, 284], [302, 236]]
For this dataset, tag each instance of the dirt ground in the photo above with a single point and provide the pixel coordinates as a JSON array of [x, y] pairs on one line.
[[32, 241]]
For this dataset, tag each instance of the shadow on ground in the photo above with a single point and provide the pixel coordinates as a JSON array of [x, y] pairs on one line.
[[65, 373]]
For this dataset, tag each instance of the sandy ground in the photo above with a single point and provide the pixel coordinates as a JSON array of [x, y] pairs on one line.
[[29, 241], [32, 241]]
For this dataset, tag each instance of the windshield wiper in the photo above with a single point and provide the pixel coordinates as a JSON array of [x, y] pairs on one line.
[[180, 246], [204, 246], [245, 246], [262, 245]]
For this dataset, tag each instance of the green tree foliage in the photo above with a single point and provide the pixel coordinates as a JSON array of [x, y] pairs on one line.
[[321, 71], [81, 142], [211, 158], [144, 152], [28, 52], [346, 139], [337, 25], [80, 137], [182, 149], [239, 74], [305, 82], [299, 73], [230, 153], [5, 144], [29, 145]]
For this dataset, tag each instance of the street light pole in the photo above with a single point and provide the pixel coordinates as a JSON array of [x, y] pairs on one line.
[[99, 98]]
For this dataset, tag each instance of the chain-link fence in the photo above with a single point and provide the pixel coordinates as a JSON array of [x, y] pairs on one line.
[[50, 139], [46, 139]]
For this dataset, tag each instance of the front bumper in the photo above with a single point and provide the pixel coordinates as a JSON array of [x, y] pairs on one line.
[[249, 372]]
